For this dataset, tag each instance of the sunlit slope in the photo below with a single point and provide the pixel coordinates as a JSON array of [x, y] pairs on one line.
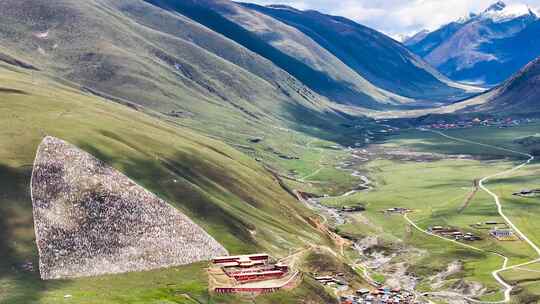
[[228, 194], [160, 60], [311, 60], [376, 57]]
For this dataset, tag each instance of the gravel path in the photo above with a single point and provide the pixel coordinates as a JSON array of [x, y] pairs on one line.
[[496, 274]]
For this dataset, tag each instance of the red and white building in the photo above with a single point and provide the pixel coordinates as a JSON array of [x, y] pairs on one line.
[[245, 261]]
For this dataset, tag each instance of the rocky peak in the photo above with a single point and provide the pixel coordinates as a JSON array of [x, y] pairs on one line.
[[496, 7]]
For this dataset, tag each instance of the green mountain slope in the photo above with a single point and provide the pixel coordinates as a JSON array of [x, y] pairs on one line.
[[228, 194], [304, 51], [162, 61], [373, 55], [285, 47]]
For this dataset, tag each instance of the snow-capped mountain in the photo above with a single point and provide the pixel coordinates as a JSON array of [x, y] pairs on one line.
[[476, 48], [500, 12]]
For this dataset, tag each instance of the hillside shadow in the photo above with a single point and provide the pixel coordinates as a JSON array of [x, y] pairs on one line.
[[15, 211], [316, 80], [352, 43], [331, 126]]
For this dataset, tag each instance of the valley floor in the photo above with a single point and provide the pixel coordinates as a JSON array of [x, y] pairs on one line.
[[434, 176], [428, 173]]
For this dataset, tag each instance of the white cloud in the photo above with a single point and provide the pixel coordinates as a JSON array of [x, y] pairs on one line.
[[396, 17]]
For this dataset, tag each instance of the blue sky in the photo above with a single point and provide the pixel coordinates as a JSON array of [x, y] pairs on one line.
[[399, 17]]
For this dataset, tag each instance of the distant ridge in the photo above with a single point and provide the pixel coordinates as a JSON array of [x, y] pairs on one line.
[[518, 95], [372, 55]]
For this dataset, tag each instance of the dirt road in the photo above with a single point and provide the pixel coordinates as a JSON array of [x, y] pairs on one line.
[[496, 274]]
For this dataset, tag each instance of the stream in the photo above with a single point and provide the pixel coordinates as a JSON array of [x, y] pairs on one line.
[[395, 273]]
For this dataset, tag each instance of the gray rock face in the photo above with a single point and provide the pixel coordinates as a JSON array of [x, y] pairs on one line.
[[91, 220]]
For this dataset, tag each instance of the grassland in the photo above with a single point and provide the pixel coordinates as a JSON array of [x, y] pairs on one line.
[[432, 142], [166, 62], [226, 192], [436, 192]]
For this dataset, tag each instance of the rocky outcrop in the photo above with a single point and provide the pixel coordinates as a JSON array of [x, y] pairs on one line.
[[91, 220]]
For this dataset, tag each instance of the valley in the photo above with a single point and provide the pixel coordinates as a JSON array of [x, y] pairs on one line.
[[442, 203], [212, 151], [428, 172]]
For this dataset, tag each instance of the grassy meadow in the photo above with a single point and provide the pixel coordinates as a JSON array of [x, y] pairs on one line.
[[436, 192], [226, 192]]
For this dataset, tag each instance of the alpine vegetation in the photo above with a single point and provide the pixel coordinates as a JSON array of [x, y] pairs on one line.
[[91, 220]]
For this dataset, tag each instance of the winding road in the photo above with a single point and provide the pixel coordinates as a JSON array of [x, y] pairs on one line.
[[496, 274]]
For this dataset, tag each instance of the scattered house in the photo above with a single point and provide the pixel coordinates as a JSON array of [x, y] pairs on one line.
[[255, 140], [396, 210], [453, 233], [471, 237], [326, 280], [363, 291], [502, 234], [288, 157], [524, 192], [356, 208], [527, 192]]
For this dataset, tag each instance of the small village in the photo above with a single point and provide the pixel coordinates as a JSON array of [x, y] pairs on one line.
[[476, 122], [377, 294], [498, 231], [381, 295]]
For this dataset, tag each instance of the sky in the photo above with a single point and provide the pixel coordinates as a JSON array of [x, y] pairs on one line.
[[399, 17]]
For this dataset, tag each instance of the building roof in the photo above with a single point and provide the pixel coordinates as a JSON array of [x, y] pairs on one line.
[[241, 256], [258, 273]]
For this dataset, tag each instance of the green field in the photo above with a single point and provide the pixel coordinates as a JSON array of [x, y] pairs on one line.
[[436, 193], [226, 192]]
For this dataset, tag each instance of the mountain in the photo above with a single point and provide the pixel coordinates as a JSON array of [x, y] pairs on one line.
[[374, 56], [518, 95], [150, 58], [228, 194], [410, 40], [197, 61], [481, 48]]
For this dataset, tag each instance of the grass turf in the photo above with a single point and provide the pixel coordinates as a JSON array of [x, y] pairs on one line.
[[436, 192], [226, 192]]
